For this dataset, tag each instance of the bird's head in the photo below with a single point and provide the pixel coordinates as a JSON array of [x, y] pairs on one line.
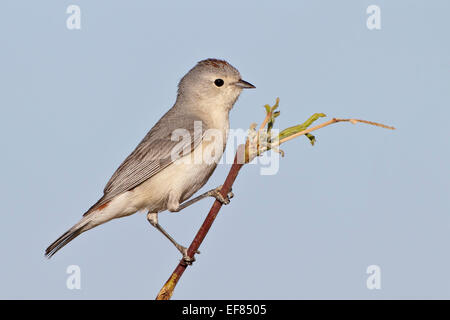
[[212, 81]]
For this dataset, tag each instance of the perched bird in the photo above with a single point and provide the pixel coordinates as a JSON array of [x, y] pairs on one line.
[[164, 170]]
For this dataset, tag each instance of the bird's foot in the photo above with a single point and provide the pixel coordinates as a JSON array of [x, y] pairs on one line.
[[216, 194], [186, 259]]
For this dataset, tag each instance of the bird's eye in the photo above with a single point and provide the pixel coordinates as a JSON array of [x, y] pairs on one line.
[[218, 82]]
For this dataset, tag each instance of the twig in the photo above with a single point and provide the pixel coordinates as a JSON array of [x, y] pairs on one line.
[[327, 123], [269, 113]]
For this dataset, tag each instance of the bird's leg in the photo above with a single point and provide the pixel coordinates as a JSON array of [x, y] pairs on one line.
[[211, 193], [152, 217]]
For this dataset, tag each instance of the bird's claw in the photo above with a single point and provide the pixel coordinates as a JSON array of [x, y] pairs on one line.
[[186, 259], [216, 194]]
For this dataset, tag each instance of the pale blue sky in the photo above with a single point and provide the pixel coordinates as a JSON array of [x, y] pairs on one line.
[[75, 103]]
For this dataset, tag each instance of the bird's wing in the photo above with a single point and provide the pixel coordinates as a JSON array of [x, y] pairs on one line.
[[173, 135]]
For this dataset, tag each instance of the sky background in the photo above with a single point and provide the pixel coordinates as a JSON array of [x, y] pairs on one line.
[[75, 103]]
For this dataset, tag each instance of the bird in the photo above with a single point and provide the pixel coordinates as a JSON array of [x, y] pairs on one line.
[[175, 158]]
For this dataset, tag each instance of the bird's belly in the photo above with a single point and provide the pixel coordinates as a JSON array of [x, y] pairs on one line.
[[179, 180]]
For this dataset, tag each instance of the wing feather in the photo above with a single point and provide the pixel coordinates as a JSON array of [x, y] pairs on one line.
[[154, 153]]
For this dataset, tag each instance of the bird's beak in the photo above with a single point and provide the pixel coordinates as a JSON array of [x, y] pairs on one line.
[[244, 84]]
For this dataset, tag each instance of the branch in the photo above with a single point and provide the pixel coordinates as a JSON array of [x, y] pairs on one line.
[[244, 155], [167, 290]]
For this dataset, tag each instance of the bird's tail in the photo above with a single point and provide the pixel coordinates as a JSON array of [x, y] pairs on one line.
[[68, 236]]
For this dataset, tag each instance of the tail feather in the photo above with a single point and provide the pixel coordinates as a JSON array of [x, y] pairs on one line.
[[68, 236]]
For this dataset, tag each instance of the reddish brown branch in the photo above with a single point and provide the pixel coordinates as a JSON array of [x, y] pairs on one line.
[[167, 290]]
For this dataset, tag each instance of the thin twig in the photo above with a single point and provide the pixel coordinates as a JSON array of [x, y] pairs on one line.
[[327, 123], [269, 113], [266, 119]]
